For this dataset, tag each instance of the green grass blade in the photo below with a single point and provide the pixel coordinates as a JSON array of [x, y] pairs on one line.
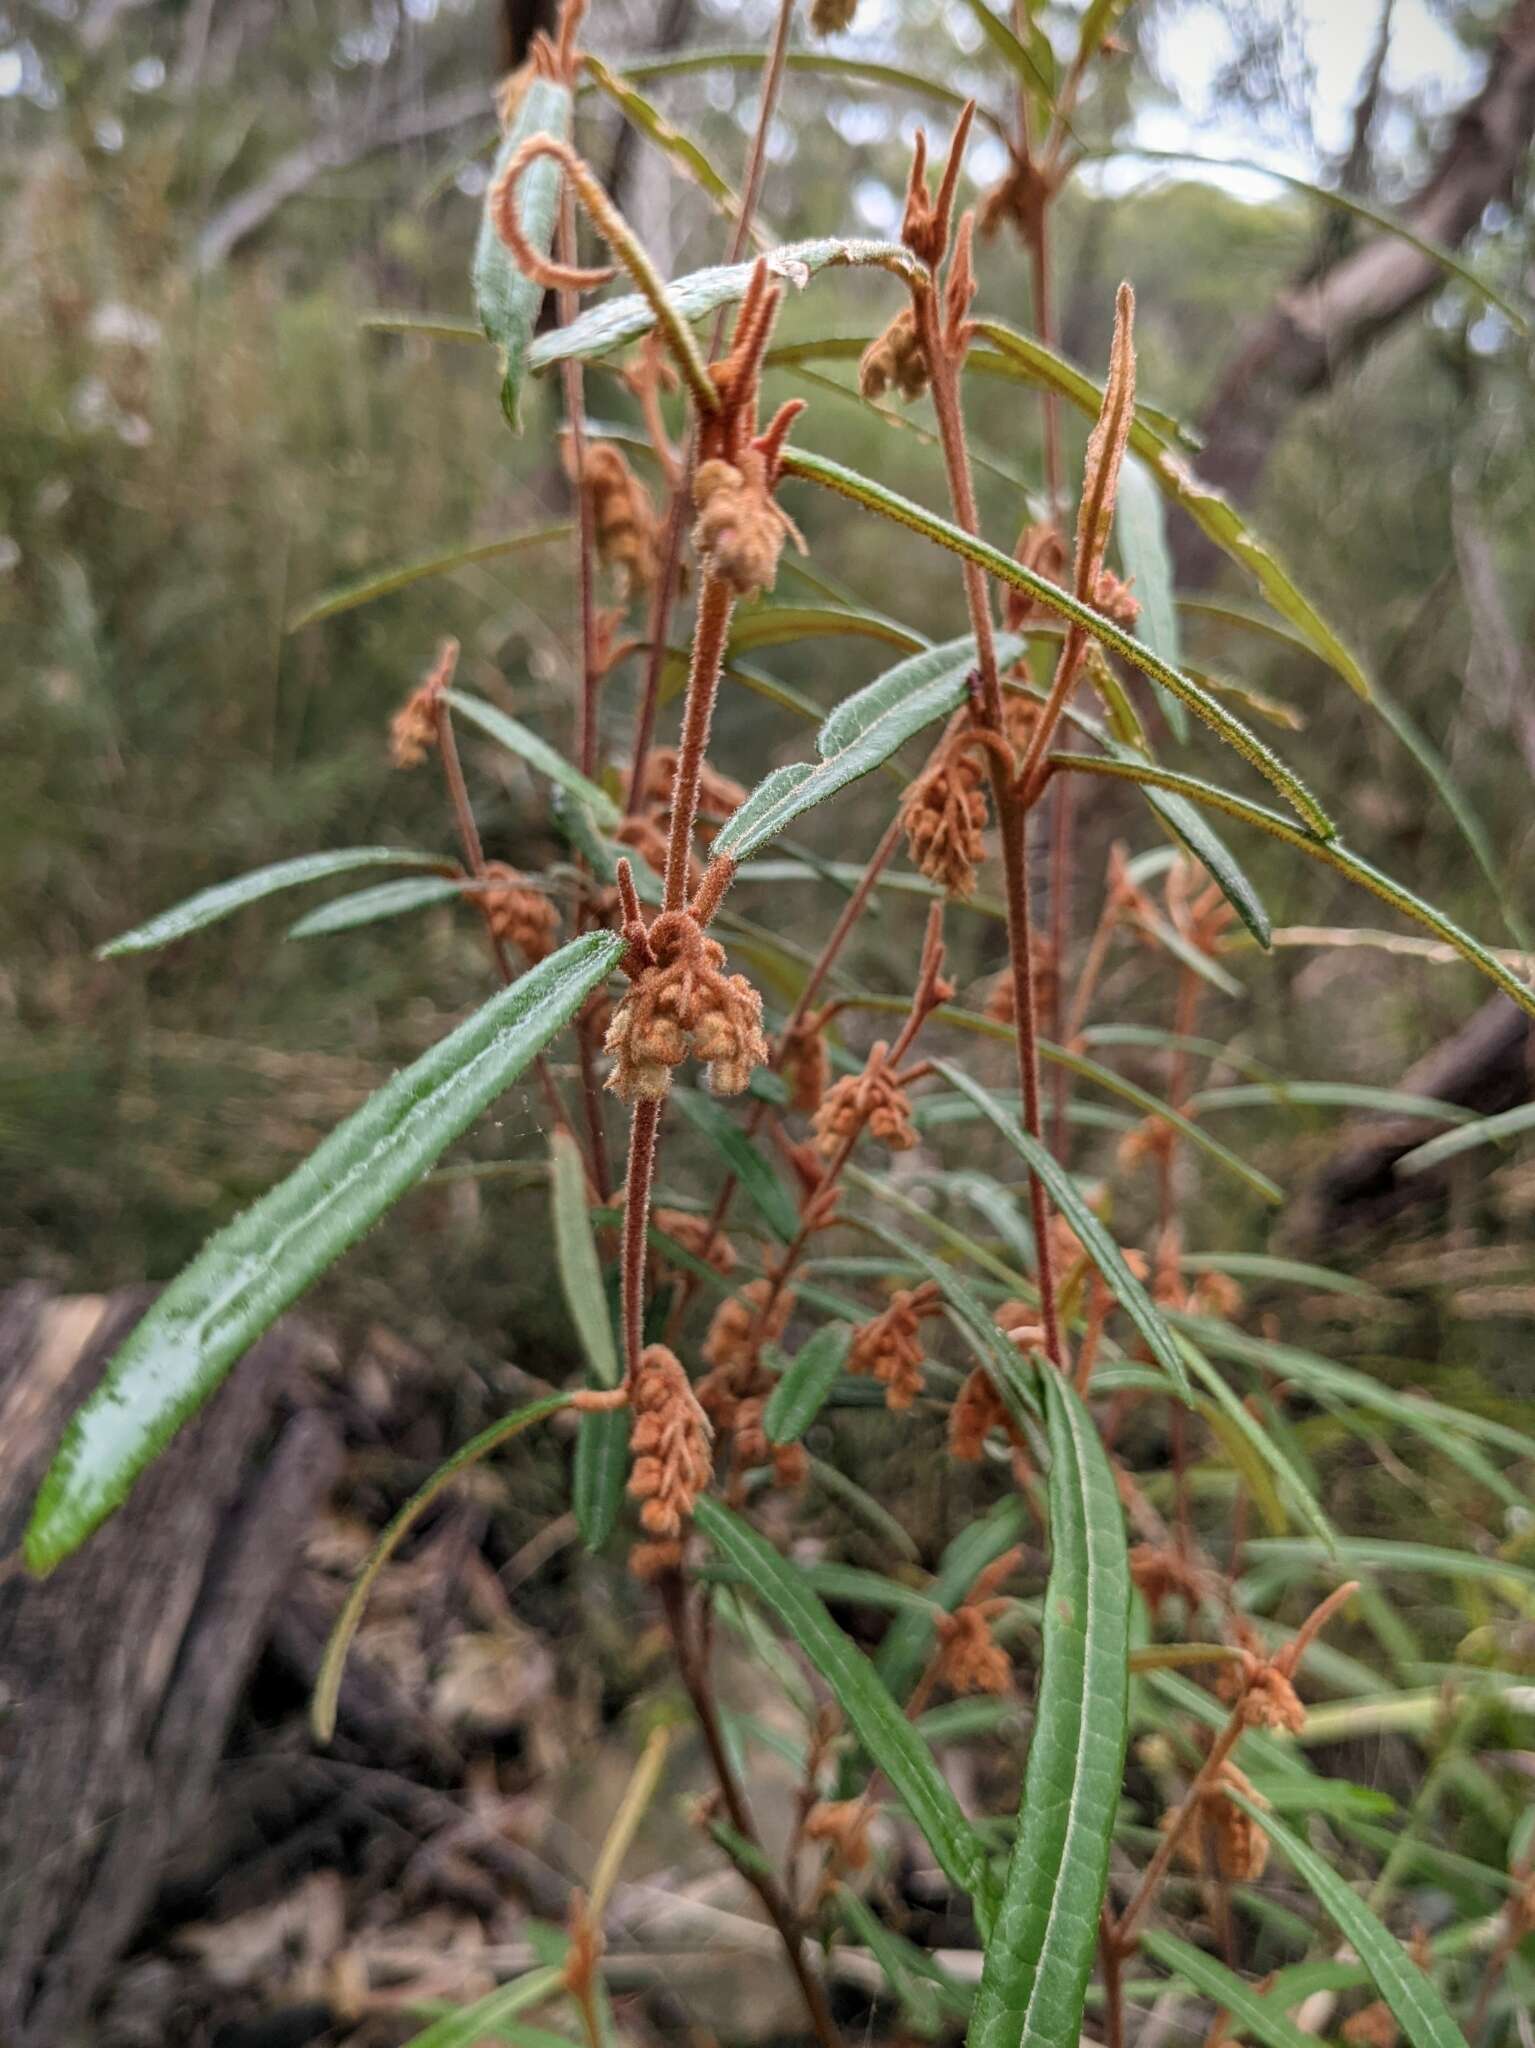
[[346, 597], [1041, 1950], [473, 2024], [874, 1716], [508, 302], [322, 1708], [1487, 1130], [1415, 2004], [650, 122], [1328, 1095], [209, 905], [756, 626], [813, 62], [245, 1277], [916, 518], [536, 752], [802, 1392], [1327, 850], [1096, 1241]]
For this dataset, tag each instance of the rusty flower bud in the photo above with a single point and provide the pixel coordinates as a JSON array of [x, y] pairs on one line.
[[870, 1098], [1239, 1846], [788, 1461], [413, 729], [623, 517], [843, 1826], [830, 17], [1264, 1694], [889, 1349], [968, 1658], [1042, 549], [805, 1064], [1116, 600], [739, 532], [680, 1002], [517, 914], [895, 358], [978, 1409], [669, 1441], [943, 814], [733, 1338]]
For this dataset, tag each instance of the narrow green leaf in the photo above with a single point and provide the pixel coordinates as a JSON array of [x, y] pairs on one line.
[[346, 597], [861, 733], [1266, 1266], [537, 753], [747, 1161], [875, 1718], [1140, 529], [1040, 1953], [1212, 853], [602, 1441], [1265, 2022], [508, 302], [209, 905], [608, 326], [1330, 851], [245, 1277], [1096, 1241], [863, 491], [802, 1392], [471, 2025], [1035, 66], [757, 626], [369, 906], [327, 1691], [650, 122], [1328, 1095], [1487, 1130], [1292, 1485], [1215, 516], [1415, 2004], [921, 1989], [1384, 1554], [816, 62]]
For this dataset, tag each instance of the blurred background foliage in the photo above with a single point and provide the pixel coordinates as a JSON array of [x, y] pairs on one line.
[[200, 433]]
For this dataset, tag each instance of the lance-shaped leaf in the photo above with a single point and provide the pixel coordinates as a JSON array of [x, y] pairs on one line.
[[472, 2025], [816, 62], [368, 906], [1415, 2004], [1259, 2016], [1096, 1241], [1326, 850], [860, 735], [209, 905], [650, 122], [1487, 1130], [746, 1160], [507, 301], [806, 1385], [616, 321], [873, 1715], [944, 533], [327, 1691], [1041, 1950], [245, 1277], [1141, 533], [345, 597], [536, 752], [602, 1442]]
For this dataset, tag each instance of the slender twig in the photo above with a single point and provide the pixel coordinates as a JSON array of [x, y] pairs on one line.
[[716, 600]]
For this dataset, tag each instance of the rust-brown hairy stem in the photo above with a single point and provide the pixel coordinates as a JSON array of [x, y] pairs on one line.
[[715, 603]]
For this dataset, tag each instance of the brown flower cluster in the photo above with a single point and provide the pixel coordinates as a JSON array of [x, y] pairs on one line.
[[969, 1658], [1000, 1002], [1022, 195], [623, 517], [1041, 549], [1220, 1829], [518, 915], [978, 1409], [889, 1349], [718, 795], [842, 1825], [1373, 2026], [738, 1331], [413, 729], [895, 359], [873, 1098], [943, 814], [1116, 600], [1163, 1572], [740, 529], [697, 1235], [753, 1446], [805, 1063], [1260, 1688], [830, 17], [670, 1442], [680, 1002]]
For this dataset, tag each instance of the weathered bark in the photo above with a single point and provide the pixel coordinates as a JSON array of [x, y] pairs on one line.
[[120, 1673], [1321, 324]]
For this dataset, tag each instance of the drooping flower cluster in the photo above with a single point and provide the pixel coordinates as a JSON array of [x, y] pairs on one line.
[[680, 1002], [889, 1349], [754, 1447], [804, 1063], [624, 522], [978, 1409], [670, 1442], [1221, 1834], [873, 1098], [413, 729], [1261, 1690], [842, 1826], [944, 813], [970, 1658], [518, 915], [741, 1325], [895, 359]]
